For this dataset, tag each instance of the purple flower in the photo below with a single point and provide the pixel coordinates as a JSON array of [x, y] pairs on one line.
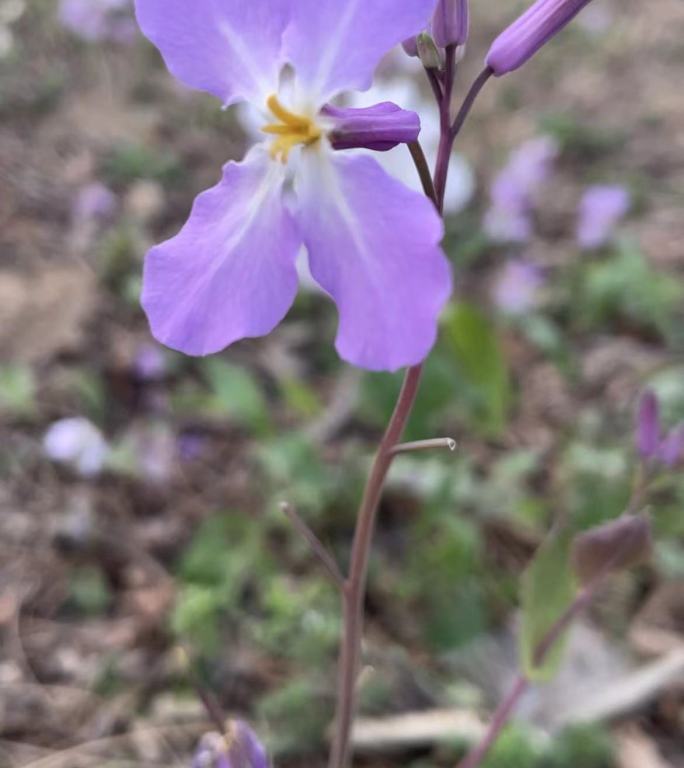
[[650, 442], [508, 218], [149, 363], [522, 39], [78, 443], [372, 244], [601, 208], [517, 287], [239, 748], [94, 202], [98, 20]]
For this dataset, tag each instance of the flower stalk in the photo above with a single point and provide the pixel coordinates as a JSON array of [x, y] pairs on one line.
[[354, 588]]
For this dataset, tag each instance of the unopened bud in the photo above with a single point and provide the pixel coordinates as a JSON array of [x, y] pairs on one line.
[[428, 52], [379, 128], [613, 546], [519, 42], [451, 22]]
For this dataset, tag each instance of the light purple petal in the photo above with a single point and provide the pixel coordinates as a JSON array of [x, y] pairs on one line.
[[336, 45], [230, 273], [374, 247], [229, 48], [648, 425]]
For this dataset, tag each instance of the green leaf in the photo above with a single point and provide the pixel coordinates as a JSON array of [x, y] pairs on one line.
[[477, 349], [548, 589], [236, 391], [17, 390]]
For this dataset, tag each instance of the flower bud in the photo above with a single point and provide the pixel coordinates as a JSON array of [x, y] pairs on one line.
[[614, 546], [522, 39], [379, 128], [428, 52], [451, 22]]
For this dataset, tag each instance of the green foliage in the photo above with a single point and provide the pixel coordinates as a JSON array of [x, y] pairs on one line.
[[17, 390], [584, 140], [236, 392], [480, 362], [548, 588], [226, 554], [128, 162], [298, 714], [596, 481], [625, 287], [295, 471], [301, 398], [305, 610], [581, 746], [88, 591], [515, 748]]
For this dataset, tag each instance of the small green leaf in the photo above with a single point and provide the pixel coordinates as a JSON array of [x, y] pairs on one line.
[[548, 588], [17, 390], [236, 392], [477, 349]]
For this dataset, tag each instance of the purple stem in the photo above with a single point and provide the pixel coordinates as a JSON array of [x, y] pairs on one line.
[[354, 587]]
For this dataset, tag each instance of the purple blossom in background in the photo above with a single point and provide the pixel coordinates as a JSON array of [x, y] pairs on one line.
[[517, 287], [191, 445], [239, 748], [650, 442], [508, 218], [149, 363], [601, 209], [372, 244], [98, 20], [521, 40], [78, 443], [95, 202]]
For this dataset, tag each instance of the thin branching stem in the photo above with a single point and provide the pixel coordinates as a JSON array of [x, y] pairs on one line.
[[317, 547]]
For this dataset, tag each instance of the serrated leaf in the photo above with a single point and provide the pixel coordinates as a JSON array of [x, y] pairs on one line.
[[548, 589]]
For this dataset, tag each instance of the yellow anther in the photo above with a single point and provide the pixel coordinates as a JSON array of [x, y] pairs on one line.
[[291, 130]]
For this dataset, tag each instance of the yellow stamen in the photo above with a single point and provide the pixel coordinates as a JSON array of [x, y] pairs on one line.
[[291, 130]]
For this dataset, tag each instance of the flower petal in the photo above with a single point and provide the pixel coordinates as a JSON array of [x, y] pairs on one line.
[[230, 49], [336, 45], [374, 247], [230, 273]]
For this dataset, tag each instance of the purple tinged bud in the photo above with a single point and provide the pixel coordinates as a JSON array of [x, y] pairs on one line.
[[648, 426], [614, 546], [451, 22], [521, 40], [672, 447], [379, 128]]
